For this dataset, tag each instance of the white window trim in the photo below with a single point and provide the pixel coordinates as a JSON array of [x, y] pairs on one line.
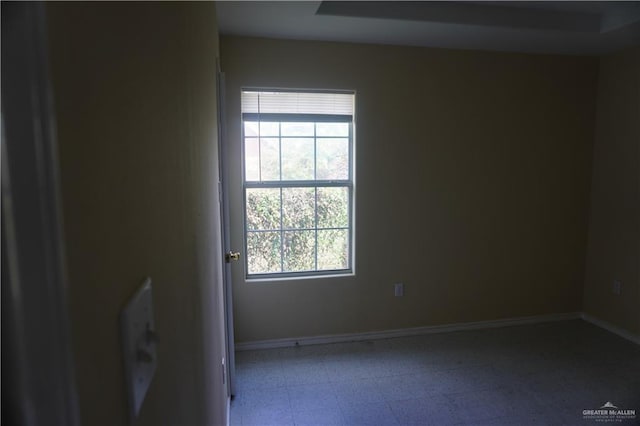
[[347, 183]]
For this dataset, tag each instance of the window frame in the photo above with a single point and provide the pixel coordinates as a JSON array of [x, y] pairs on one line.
[[310, 183]]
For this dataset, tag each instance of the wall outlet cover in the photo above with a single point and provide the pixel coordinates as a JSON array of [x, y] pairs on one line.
[[617, 287], [398, 289]]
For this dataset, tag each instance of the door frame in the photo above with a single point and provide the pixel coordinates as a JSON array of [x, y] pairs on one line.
[[223, 189], [38, 386]]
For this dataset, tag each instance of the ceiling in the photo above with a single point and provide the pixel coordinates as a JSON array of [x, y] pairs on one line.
[[560, 27]]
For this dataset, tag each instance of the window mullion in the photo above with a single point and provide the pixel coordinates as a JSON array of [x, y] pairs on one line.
[[281, 198], [280, 149], [281, 234], [315, 192], [298, 184], [259, 152], [315, 224]]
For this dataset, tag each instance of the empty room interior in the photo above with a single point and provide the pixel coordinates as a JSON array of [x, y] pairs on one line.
[[321, 213]]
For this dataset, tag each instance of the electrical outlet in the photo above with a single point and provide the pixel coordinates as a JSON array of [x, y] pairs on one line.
[[398, 289], [617, 287]]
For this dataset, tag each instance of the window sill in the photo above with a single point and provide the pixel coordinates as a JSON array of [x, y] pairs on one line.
[[347, 274]]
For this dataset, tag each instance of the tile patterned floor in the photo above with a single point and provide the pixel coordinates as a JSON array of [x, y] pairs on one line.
[[544, 374]]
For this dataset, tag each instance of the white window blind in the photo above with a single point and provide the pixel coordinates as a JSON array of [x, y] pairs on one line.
[[284, 102]]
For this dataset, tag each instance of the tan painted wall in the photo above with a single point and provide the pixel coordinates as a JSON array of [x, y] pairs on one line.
[[614, 227], [136, 110], [473, 173]]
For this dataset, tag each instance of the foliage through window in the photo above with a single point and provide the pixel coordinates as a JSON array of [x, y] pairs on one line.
[[298, 182]]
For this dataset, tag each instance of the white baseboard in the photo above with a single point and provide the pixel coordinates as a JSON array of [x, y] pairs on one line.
[[612, 328], [386, 334]]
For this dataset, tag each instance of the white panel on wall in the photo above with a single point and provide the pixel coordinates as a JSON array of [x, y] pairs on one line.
[[139, 341]]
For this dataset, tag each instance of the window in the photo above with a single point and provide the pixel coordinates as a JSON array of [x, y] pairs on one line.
[[298, 182]]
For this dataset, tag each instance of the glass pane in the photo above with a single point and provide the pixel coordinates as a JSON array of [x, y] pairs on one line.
[[297, 159], [332, 129], [299, 251], [251, 159], [333, 207], [270, 158], [297, 129], [263, 252], [333, 249], [268, 128], [333, 159], [298, 208], [263, 209], [250, 128]]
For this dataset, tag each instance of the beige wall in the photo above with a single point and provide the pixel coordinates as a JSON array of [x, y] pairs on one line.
[[135, 99], [614, 226], [472, 177]]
